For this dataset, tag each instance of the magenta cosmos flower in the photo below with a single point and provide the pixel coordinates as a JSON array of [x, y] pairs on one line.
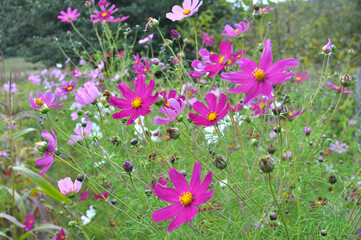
[[48, 158], [67, 87], [337, 89], [186, 198], [146, 39], [87, 95], [106, 15], [81, 133], [61, 235], [190, 7], [11, 89], [176, 107], [261, 106], [68, 188], [142, 68], [296, 114], [207, 39], [258, 80], [240, 28], [69, 15], [29, 223], [301, 77], [215, 112], [102, 195], [267, 9], [43, 102], [219, 62], [135, 103], [171, 94]]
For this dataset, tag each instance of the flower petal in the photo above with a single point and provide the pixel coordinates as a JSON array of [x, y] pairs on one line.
[[166, 213], [178, 180], [166, 193]]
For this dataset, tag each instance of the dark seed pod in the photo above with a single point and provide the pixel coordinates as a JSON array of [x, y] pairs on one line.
[[271, 149], [266, 164], [134, 141], [80, 177], [332, 179], [273, 216]]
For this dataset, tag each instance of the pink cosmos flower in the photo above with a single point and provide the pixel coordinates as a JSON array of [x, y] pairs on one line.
[[339, 147], [258, 80], [87, 95], [68, 188], [137, 59], [81, 133], [239, 29], [219, 62], [207, 39], [176, 107], [34, 79], [186, 198], [162, 180], [76, 73], [104, 3], [261, 106], [142, 68], [236, 108], [29, 223], [106, 15], [189, 89], [352, 122], [296, 114], [84, 195], [337, 89], [48, 158], [67, 87], [11, 89], [200, 66], [171, 94], [3, 153], [301, 77], [135, 103], [69, 15], [43, 101], [61, 235], [328, 47], [103, 195], [146, 39], [190, 7], [266, 10], [210, 116]]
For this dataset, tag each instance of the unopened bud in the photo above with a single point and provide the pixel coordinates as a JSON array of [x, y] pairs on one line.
[[155, 61], [271, 149], [115, 140], [41, 146], [80, 177], [128, 167], [184, 173], [273, 216], [324, 233], [345, 80], [266, 164], [220, 162], [153, 22], [134, 141], [168, 43], [148, 192], [174, 33], [173, 132], [257, 14], [332, 179]]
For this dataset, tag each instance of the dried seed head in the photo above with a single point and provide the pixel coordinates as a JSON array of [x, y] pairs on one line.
[[266, 164], [271, 149], [173, 132], [220, 162], [345, 80], [332, 179]]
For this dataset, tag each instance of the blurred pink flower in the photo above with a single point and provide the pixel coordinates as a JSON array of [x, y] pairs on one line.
[[29, 223], [34, 79], [69, 15], [190, 7], [84, 195], [328, 47], [261, 106], [176, 107], [87, 95], [43, 101], [11, 89], [102, 195], [146, 39], [61, 235], [106, 15], [240, 28], [266, 10], [352, 122], [81, 133], [219, 62], [68, 188], [50, 149], [207, 39], [338, 89], [301, 77]]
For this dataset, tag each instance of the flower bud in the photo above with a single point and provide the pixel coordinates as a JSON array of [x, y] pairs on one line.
[[332, 179], [174, 33], [128, 167], [148, 192], [134, 141], [84, 123], [72, 224], [273, 216], [254, 142], [155, 61], [88, 3], [301, 59], [80, 177], [159, 101], [257, 14], [184, 173], [115, 140], [220, 162], [307, 130], [168, 43], [345, 80], [55, 39], [266, 164], [113, 202], [173, 132], [271, 149], [324, 233], [320, 159], [286, 99], [41, 146]]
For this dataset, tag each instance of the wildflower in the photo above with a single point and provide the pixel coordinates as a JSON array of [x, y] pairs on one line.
[[328, 47], [307, 130], [175, 108], [188, 89], [185, 197], [34, 79], [87, 95], [3, 153], [104, 3], [106, 15], [207, 39], [142, 69], [29, 223], [220, 162], [257, 14], [137, 59], [155, 61], [339, 147], [174, 33], [146, 39], [296, 114], [135, 103], [240, 29], [68, 188], [315, 205], [48, 158], [210, 116], [90, 214], [81, 133], [261, 106], [103, 195], [84, 195], [61, 235], [210, 206], [173, 133], [301, 77], [352, 122], [67, 86], [9, 89], [338, 89], [128, 167], [219, 62], [43, 72], [266, 10], [69, 16], [190, 7], [258, 80], [151, 22], [200, 66], [286, 155]]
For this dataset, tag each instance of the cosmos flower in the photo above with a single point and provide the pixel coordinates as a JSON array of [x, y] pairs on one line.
[[67, 87], [317, 204], [219, 62], [261, 106], [296, 114], [352, 122], [142, 68], [146, 39], [84, 195], [211, 206], [104, 3], [69, 16], [266, 10], [339, 147], [258, 80], [11, 89], [186, 198], [240, 28], [162, 180], [328, 47], [61, 235], [171, 94], [81, 133], [190, 7], [103, 195], [200, 66], [48, 158], [136, 102], [68, 188], [29, 223], [106, 15], [301, 77], [34, 79], [210, 116], [174, 33], [307, 130], [3, 153], [207, 39], [337, 89], [176, 107], [87, 95]]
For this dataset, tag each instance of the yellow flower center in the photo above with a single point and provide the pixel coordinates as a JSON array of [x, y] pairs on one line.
[[212, 116], [215, 131], [145, 70], [104, 14], [319, 202], [167, 104], [237, 30], [31, 222], [187, 12], [84, 133], [69, 88], [259, 75], [137, 61], [239, 56], [261, 105], [263, 10], [137, 103], [186, 198], [338, 147], [298, 79], [207, 39], [39, 101], [221, 60], [338, 88], [190, 92], [290, 114], [229, 62]]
